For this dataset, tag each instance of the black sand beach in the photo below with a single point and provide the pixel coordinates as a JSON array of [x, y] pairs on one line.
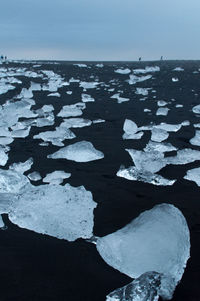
[[36, 267]]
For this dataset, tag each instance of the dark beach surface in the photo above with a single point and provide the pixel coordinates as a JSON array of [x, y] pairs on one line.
[[36, 267]]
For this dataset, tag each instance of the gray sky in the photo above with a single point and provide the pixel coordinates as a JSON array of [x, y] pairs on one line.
[[100, 29]]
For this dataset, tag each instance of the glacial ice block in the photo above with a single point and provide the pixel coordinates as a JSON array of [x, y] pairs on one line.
[[144, 288], [82, 151], [157, 240], [64, 212]]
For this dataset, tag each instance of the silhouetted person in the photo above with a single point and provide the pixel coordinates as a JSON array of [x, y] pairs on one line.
[[161, 58], [140, 59], [2, 57], [5, 58]]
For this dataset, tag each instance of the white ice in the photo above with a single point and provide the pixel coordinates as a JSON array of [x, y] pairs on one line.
[[119, 98], [123, 71], [34, 176], [56, 137], [56, 177], [88, 85], [82, 151], [87, 98], [56, 94], [193, 175], [72, 110], [146, 70], [157, 240], [178, 69], [162, 111], [159, 135], [75, 123], [196, 109], [64, 212], [196, 139], [142, 91], [130, 128], [133, 79], [21, 167]]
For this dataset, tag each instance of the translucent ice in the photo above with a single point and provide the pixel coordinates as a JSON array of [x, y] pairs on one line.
[[71, 110], [178, 69], [144, 288], [56, 137], [56, 177], [130, 128], [87, 98], [162, 111], [159, 135], [34, 176], [64, 212], [196, 109], [89, 85], [135, 79], [157, 240], [1, 222], [119, 98], [142, 91], [21, 167], [75, 123], [82, 151], [11, 181]]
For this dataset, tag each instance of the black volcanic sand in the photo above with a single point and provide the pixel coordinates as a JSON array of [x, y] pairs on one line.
[[36, 267]]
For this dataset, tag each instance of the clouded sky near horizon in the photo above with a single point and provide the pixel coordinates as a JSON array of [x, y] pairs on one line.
[[100, 29]]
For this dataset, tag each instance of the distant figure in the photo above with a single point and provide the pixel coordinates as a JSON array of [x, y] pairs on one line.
[[5, 58], [2, 57], [161, 58], [140, 59]]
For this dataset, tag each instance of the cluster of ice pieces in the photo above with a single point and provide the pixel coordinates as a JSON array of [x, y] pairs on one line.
[[154, 249]]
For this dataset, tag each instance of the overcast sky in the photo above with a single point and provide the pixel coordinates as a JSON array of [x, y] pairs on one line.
[[100, 29]]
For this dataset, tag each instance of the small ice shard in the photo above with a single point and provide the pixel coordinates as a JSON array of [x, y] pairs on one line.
[[82, 151], [11, 181], [185, 123], [146, 70], [162, 111], [147, 110], [193, 175], [119, 98], [159, 135], [175, 79], [130, 128], [35, 87], [196, 109], [123, 71], [161, 103], [142, 91], [25, 93], [197, 125], [75, 123], [56, 137], [34, 176], [178, 69], [72, 110], [157, 240], [196, 139], [54, 94], [21, 167], [134, 174], [73, 80], [88, 85], [133, 79], [144, 288], [87, 98], [179, 106], [98, 121], [56, 177], [64, 212], [69, 92]]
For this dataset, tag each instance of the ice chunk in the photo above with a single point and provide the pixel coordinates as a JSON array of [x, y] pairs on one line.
[[3, 156], [119, 98], [184, 156], [99, 65], [196, 109], [133, 79], [88, 85], [56, 177], [144, 288], [196, 139], [168, 127], [82, 151], [161, 103], [75, 123], [134, 174], [162, 111], [69, 92], [81, 65], [159, 135], [193, 175], [21, 167], [130, 128], [2, 225], [179, 106], [47, 108], [25, 93], [147, 70], [21, 133], [11, 181], [98, 121], [56, 94], [56, 137], [123, 71], [143, 91], [64, 212], [87, 98], [157, 240], [34, 176], [160, 147], [71, 110], [175, 79], [178, 69]]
